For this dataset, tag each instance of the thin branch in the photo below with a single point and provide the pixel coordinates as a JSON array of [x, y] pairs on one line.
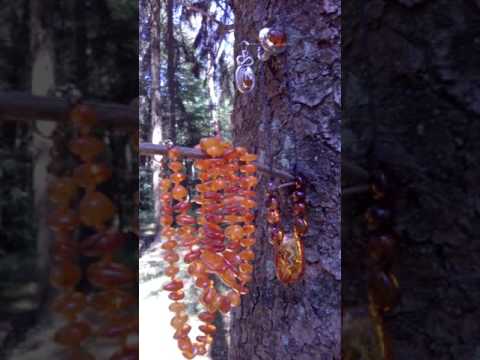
[[24, 107], [148, 149]]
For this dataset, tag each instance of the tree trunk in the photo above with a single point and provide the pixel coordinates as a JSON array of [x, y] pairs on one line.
[[170, 46], [421, 96], [294, 114]]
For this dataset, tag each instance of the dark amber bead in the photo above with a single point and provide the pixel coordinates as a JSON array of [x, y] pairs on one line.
[[111, 300], [273, 216], [300, 226], [213, 261], [208, 329], [381, 250], [70, 304], [73, 333], [174, 285], [191, 256], [378, 216], [90, 175], [185, 219], [299, 208], [277, 38], [96, 209], [182, 206], [109, 274], [119, 326], [63, 220], [383, 290], [206, 317], [175, 296], [87, 148], [101, 243], [65, 275]]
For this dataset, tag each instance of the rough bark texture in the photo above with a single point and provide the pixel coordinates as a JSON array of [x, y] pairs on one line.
[[295, 113], [411, 102]]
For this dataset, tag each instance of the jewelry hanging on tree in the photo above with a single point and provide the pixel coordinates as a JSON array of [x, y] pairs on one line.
[[218, 239], [288, 246], [244, 75]]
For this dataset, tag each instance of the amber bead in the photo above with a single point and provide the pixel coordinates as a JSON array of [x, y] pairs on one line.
[[204, 339], [174, 154], [62, 192], [171, 257], [83, 118], [206, 317], [185, 219], [174, 285], [202, 164], [96, 209], [90, 175], [197, 267], [109, 274], [185, 344], [230, 279], [277, 38], [249, 182], [231, 258], [87, 148], [248, 157], [112, 300], [200, 349], [276, 235], [192, 256], [101, 243], [248, 242], [244, 278], [183, 332], [214, 196], [213, 261], [119, 326], [300, 226], [225, 305], [182, 206], [249, 229], [166, 220], [179, 192], [65, 275], [205, 143], [248, 169], [178, 321], [70, 303], [218, 184], [381, 250], [175, 166], [235, 298], [177, 178], [171, 270], [289, 259], [246, 268], [202, 282], [214, 218], [247, 255], [234, 232], [175, 296], [273, 216], [73, 333], [383, 290], [169, 245], [63, 220], [168, 231], [208, 329], [177, 307]]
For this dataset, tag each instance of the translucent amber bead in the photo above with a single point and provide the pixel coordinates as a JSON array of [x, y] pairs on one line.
[[182, 206], [213, 261], [183, 332], [112, 300], [96, 209], [246, 268], [232, 258], [109, 274], [249, 182], [171, 256], [383, 290], [165, 185], [73, 333], [200, 349], [101, 243], [206, 317], [300, 226], [196, 268], [218, 184], [87, 148], [175, 296], [273, 216], [247, 255], [248, 169], [168, 231], [65, 275], [289, 259], [174, 154], [225, 305], [62, 192], [174, 285], [63, 220], [230, 279], [276, 235], [177, 307], [91, 174], [381, 250], [175, 166], [178, 321], [191, 256], [234, 232], [248, 242], [119, 326], [185, 344], [203, 281], [206, 143], [235, 298], [185, 219], [179, 192], [177, 178], [70, 304], [166, 220], [83, 118], [208, 329]]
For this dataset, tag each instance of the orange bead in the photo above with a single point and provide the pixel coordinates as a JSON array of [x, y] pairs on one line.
[[206, 143], [166, 220], [62, 191], [183, 332], [185, 344], [65, 275], [175, 296], [179, 192], [171, 257], [179, 321], [63, 220], [73, 333], [230, 279], [174, 285], [87, 148], [213, 261], [185, 219], [247, 255], [175, 166], [169, 245], [177, 307], [246, 268], [208, 329], [168, 231], [248, 169], [215, 151], [234, 232], [96, 209], [203, 281], [112, 300], [248, 157], [235, 298], [249, 229], [109, 274], [90, 175], [289, 260], [247, 242], [206, 317], [273, 216], [70, 304], [205, 339]]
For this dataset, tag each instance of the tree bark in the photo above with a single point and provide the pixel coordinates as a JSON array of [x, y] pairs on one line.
[[171, 67], [294, 114]]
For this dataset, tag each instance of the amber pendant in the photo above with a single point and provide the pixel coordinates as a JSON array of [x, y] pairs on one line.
[[290, 259]]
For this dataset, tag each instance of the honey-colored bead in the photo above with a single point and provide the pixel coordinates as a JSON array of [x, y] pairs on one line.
[[230, 279], [247, 255], [231, 258], [175, 166], [96, 209], [200, 349], [174, 285], [111, 300], [109, 274], [234, 232], [185, 344], [166, 220], [171, 271], [175, 296], [65, 275], [249, 182], [248, 169], [249, 229], [203, 281], [169, 245], [91, 174], [213, 261], [179, 192], [183, 332], [177, 307], [168, 232], [62, 192], [215, 151], [235, 298], [246, 268], [289, 259], [191, 256], [171, 257], [177, 178], [73, 333], [178, 321], [206, 317], [165, 185], [196, 268], [87, 148], [248, 157], [185, 219], [248, 242], [244, 278], [208, 329]]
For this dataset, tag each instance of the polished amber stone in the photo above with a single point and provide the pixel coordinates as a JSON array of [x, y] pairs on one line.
[[112, 300], [247, 255], [248, 157], [177, 307], [62, 191], [63, 220], [246, 268], [248, 242], [103, 242], [213, 261], [119, 326], [208, 329], [183, 332], [218, 184], [225, 305], [185, 344], [192, 256], [248, 169], [300, 226], [383, 290], [196, 268], [70, 303], [182, 206], [231, 258], [202, 164], [171, 270], [249, 182], [73, 333], [179, 321], [65, 275], [273, 216], [234, 232], [244, 278], [205, 339], [96, 209], [166, 220], [110, 274], [83, 118], [171, 257], [176, 295], [206, 317], [175, 166], [205, 143], [179, 192], [168, 231], [200, 349], [203, 281], [381, 250], [177, 178], [87, 148], [235, 298], [91, 174], [173, 285], [229, 277], [169, 245], [185, 219], [289, 259], [277, 38]]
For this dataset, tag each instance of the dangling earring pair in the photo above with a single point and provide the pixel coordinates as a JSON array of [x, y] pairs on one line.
[[272, 42]]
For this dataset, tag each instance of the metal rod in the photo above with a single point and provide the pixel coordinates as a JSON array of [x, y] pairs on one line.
[[148, 149]]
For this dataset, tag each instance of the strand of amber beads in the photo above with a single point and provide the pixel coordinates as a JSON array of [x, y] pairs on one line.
[[383, 289], [96, 210]]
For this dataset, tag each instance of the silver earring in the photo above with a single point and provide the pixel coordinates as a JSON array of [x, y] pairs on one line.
[[244, 75]]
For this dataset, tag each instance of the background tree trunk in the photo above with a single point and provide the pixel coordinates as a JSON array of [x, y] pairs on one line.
[[294, 113], [411, 105]]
